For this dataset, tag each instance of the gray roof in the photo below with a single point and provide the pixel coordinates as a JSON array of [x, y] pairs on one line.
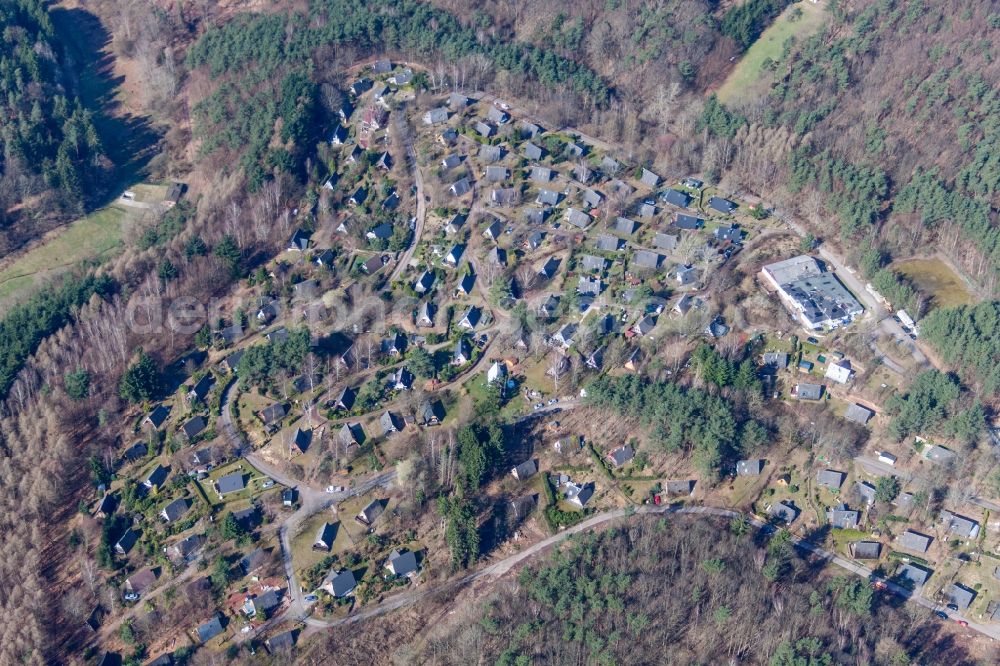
[[608, 243], [676, 198], [843, 518], [483, 129], [665, 241], [325, 536], [210, 629], [777, 359], [158, 415], [819, 296], [372, 511], [858, 414], [548, 197], [283, 641], [471, 317], [682, 221], [623, 225], [490, 153], [785, 511], [341, 583], [830, 478], [593, 263], [590, 286], [646, 210], [273, 413], [494, 229], [960, 595], [435, 116], [451, 161], [592, 197], [681, 487], [938, 453], [866, 490], [497, 115], [536, 216], [156, 477], [721, 205], [402, 564], [460, 187], [960, 525], [232, 482], [914, 541], [649, 179], [532, 152], [174, 510], [424, 282], [647, 259], [915, 573], [621, 455], [349, 433], [749, 467], [388, 422], [809, 391], [866, 550], [525, 470], [194, 426], [580, 495], [577, 218]]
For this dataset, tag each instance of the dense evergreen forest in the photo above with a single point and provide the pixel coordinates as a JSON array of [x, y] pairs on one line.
[[669, 590], [51, 156]]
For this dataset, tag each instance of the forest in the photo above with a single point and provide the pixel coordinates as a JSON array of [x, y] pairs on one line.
[[672, 590], [50, 151], [684, 419]]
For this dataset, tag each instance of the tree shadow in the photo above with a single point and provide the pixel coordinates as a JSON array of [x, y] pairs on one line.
[[129, 141]]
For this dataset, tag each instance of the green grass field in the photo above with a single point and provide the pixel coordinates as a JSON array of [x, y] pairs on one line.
[[934, 278], [770, 44], [95, 237]]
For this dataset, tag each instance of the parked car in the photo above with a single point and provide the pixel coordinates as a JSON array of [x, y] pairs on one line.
[[952, 607], [812, 341], [962, 623], [941, 614]]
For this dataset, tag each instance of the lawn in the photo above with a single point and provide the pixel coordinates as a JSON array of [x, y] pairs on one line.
[[303, 555], [770, 45], [94, 237]]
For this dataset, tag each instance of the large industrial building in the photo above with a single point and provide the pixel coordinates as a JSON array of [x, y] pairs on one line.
[[816, 297]]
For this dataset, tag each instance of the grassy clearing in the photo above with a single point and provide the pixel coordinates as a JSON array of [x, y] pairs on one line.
[[935, 279], [770, 45], [94, 237]]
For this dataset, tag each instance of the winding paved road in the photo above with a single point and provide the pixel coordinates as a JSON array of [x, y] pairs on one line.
[[403, 128]]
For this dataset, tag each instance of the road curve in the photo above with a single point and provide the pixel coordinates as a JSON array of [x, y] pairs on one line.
[[503, 566]]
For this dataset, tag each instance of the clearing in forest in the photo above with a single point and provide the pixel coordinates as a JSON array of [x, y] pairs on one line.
[[936, 280], [92, 238], [799, 20]]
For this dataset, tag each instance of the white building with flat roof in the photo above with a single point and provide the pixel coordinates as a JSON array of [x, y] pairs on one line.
[[813, 295]]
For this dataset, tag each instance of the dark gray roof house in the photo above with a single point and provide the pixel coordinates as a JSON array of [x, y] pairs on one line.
[[866, 491], [457, 100], [186, 548], [564, 335], [865, 550], [676, 198], [721, 205], [193, 427], [609, 165], [448, 136], [646, 210], [380, 232], [156, 478], [466, 284], [679, 487], [608, 243], [809, 391], [299, 240], [777, 360], [625, 226], [157, 416], [302, 439], [460, 187], [497, 115], [645, 326], [685, 275], [436, 116], [579, 494], [914, 541], [530, 130], [282, 642], [548, 197], [830, 478], [325, 536], [525, 470], [338, 136], [231, 483], [494, 230], [843, 518], [141, 580], [201, 387], [253, 560], [938, 453], [401, 564], [345, 400], [272, 413], [454, 254], [389, 423], [749, 467], [535, 216], [401, 379], [497, 256], [371, 512], [431, 412], [784, 511], [339, 583], [914, 573], [175, 510], [574, 149], [621, 455], [210, 629], [549, 268], [351, 434], [482, 129], [126, 541], [471, 318], [731, 234], [647, 259], [960, 595], [690, 222], [358, 197], [959, 525], [424, 282], [590, 286], [596, 358]]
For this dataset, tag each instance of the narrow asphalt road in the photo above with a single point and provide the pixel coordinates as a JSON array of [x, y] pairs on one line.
[[503, 566], [418, 181]]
